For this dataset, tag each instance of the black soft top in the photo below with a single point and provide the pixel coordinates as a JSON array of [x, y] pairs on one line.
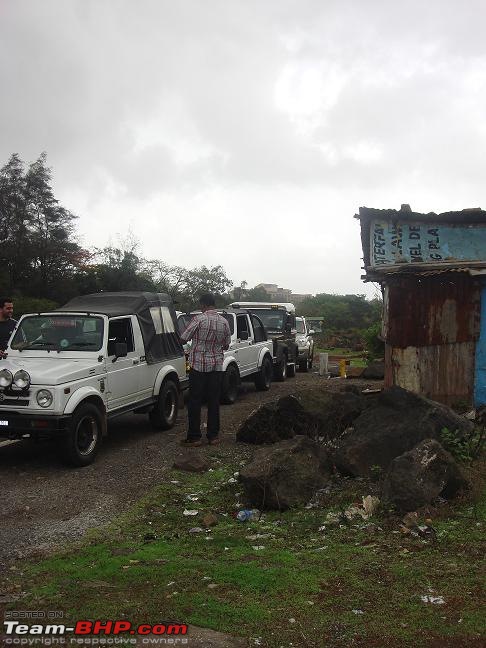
[[154, 311], [115, 304]]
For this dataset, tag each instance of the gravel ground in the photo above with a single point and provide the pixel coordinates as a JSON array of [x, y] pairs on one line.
[[45, 504]]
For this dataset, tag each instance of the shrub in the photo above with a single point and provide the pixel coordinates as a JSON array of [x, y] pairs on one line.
[[465, 447], [374, 342]]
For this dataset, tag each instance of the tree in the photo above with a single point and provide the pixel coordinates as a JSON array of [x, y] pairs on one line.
[[204, 280], [13, 224], [243, 293], [38, 249], [55, 255], [341, 312]]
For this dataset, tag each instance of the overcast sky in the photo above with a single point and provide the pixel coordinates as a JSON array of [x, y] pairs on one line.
[[248, 133]]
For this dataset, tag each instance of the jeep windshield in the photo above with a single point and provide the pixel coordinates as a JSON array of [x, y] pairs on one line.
[[59, 333], [273, 320], [300, 325]]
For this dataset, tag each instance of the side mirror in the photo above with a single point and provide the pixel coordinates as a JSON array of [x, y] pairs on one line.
[[244, 336], [121, 350], [311, 332]]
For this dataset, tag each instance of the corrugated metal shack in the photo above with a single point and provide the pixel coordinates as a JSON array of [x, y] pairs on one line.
[[432, 270]]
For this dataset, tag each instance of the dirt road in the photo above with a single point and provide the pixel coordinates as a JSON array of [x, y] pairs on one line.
[[44, 503]]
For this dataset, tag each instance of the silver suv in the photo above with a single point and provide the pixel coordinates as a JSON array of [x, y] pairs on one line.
[[305, 343]]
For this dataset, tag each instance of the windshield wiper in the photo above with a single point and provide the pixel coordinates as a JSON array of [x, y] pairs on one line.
[[40, 343]]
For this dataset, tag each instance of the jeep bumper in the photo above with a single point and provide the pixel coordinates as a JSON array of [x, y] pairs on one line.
[[14, 425]]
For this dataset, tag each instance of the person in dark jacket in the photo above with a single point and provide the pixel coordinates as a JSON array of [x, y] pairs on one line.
[[7, 323]]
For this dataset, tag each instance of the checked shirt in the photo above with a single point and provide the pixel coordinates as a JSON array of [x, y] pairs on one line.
[[210, 335]]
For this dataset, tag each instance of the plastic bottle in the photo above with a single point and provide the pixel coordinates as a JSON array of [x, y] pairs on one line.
[[248, 515]]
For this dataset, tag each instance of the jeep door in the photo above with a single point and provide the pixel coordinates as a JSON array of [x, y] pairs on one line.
[[244, 344], [123, 373], [259, 339]]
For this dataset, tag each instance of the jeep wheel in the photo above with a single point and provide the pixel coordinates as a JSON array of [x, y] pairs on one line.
[[164, 414], [304, 365], [229, 388], [311, 356], [83, 435], [263, 379], [280, 369], [291, 370]]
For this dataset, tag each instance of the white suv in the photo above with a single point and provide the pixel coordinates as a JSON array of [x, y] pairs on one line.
[[249, 356]]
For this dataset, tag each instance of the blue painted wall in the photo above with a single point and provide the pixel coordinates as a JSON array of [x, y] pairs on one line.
[[416, 242], [480, 377]]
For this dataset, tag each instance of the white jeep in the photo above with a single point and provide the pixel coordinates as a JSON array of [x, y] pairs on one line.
[[249, 356], [68, 372], [279, 322]]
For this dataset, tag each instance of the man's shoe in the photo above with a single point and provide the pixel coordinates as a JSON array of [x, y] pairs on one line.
[[213, 441], [191, 443]]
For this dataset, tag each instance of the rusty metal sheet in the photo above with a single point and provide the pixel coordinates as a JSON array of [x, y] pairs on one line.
[[440, 309], [444, 373]]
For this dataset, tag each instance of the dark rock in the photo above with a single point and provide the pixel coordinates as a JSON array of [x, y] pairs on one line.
[[290, 405], [335, 411], [374, 371], [395, 421], [419, 476], [210, 520], [260, 426], [274, 422], [286, 474], [191, 463]]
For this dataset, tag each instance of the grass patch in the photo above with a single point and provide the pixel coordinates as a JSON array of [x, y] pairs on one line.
[[357, 359], [282, 578]]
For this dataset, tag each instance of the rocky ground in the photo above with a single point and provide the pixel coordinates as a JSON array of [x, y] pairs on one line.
[[45, 504]]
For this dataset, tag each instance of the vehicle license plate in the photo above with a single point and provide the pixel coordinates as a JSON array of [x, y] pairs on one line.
[[3, 422]]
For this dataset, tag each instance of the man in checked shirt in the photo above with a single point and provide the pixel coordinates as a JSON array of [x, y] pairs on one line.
[[211, 336]]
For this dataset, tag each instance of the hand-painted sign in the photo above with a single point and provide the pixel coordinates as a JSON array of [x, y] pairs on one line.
[[414, 242]]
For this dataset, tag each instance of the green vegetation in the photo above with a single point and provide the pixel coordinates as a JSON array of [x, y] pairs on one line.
[[464, 447], [343, 312], [284, 579], [355, 359], [374, 343]]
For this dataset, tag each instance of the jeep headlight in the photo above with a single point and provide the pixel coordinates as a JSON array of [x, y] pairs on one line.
[[21, 379], [44, 397], [5, 378]]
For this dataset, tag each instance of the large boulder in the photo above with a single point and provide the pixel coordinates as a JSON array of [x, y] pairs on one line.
[[277, 421], [395, 422], [285, 474], [419, 476], [335, 411]]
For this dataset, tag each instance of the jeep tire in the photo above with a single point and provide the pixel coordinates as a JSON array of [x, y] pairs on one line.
[[280, 369], [229, 385], [84, 433], [263, 379], [291, 370], [304, 364], [163, 416]]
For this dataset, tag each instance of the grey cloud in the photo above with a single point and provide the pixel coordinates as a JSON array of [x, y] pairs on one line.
[[402, 86]]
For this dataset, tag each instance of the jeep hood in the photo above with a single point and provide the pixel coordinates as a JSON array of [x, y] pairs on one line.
[[55, 370]]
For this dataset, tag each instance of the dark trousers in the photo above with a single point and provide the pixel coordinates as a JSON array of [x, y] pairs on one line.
[[204, 384]]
